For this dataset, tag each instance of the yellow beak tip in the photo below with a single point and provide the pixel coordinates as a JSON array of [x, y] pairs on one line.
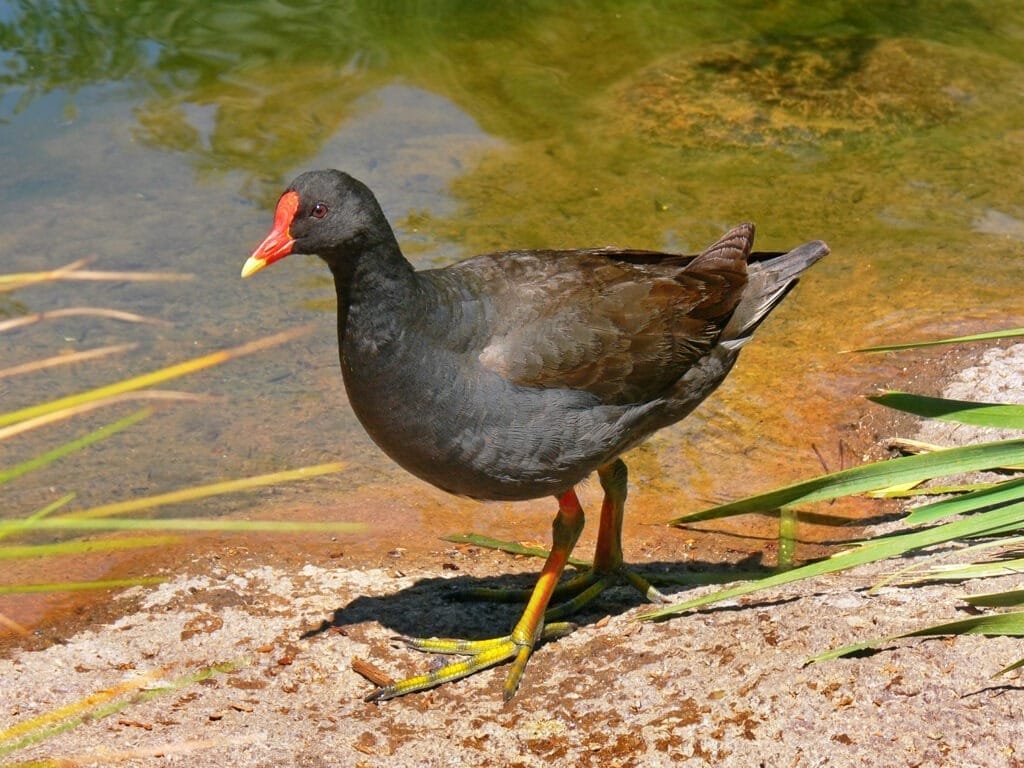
[[252, 265]]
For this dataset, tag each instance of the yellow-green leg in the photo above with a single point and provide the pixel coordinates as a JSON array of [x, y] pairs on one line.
[[518, 646], [537, 620], [608, 568]]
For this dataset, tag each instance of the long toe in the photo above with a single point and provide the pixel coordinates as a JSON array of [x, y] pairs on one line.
[[642, 585], [492, 595], [570, 595], [576, 593], [481, 654]]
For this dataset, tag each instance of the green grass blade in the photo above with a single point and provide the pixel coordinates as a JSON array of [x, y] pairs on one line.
[[867, 552], [41, 726], [966, 571], [1010, 624], [999, 416], [1010, 599], [1007, 334], [987, 496], [931, 490], [179, 524], [906, 469], [907, 446], [513, 548], [65, 548], [789, 524], [187, 495], [1016, 665], [49, 508], [932, 570], [79, 586], [101, 704], [1014, 526], [75, 445]]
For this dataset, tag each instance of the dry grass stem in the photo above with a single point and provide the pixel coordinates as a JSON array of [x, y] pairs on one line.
[[109, 757], [74, 271], [66, 359], [76, 410], [54, 314], [22, 279], [153, 378], [82, 705], [11, 624]]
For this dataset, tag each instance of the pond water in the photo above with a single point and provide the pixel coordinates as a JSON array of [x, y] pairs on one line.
[[157, 136]]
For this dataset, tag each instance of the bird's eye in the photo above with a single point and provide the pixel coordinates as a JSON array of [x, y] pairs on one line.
[[319, 211]]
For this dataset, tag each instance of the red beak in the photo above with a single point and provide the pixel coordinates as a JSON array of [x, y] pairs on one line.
[[279, 242]]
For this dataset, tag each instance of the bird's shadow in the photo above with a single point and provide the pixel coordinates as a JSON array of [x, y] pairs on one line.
[[437, 607]]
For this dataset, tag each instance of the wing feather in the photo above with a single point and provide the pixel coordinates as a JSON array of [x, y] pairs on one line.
[[623, 325]]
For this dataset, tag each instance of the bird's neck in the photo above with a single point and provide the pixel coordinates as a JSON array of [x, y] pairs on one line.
[[376, 289]]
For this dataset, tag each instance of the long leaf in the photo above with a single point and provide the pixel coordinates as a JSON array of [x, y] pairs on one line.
[[989, 495], [905, 469], [868, 552], [931, 490], [994, 624], [1009, 599], [999, 416], [1007, 334], [179, 524], [511, 547], [906, 445], [21, 278], [1009, 668], [966, 571], [205, 491], [54, 314], [26, 551], [75, 271], [76, 708], [102, 704], [12, 430], [10, 282], [79, 586]]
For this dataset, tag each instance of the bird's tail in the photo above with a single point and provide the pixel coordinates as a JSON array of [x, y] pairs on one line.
[[770, 276]]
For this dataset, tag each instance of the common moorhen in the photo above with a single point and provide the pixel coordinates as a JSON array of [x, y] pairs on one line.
[[515, 375]]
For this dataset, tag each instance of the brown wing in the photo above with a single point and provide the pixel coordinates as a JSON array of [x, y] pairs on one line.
[[623, 325]]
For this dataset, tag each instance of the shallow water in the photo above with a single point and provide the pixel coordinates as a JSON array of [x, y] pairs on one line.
[[156, 136]]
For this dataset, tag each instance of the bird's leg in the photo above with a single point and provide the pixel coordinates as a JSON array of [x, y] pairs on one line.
[[517, 646], [614, 479], [608, 568]]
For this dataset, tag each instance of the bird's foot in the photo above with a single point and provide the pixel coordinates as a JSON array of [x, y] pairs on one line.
[[518, 645], [481, 654], [573, 594]]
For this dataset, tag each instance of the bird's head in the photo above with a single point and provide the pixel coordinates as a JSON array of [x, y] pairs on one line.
[[326, 213]]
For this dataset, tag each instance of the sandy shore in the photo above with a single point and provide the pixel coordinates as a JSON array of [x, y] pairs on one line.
[[250, 665]]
